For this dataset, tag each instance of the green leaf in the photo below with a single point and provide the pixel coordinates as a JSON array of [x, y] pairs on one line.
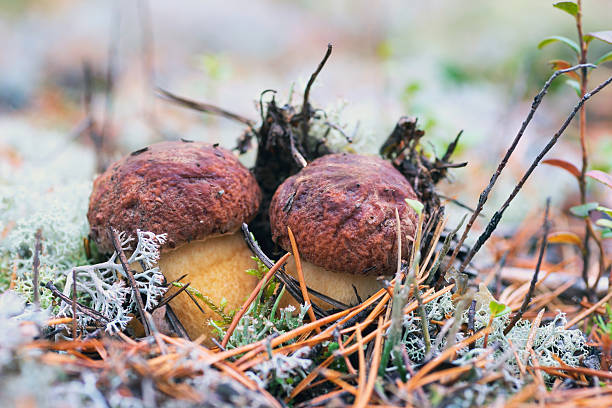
[[568, 6], [575, 86], [498, 309], [415, 205], [605, 234], [605, 36], [558, 38], [602, 222], [604, 58], [333, 346], [605, 209], [582, 211]]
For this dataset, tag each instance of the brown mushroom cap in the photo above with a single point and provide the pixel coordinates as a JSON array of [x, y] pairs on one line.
[[189, 190], [341, 209]]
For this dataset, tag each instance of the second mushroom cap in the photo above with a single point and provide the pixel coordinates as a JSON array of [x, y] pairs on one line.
[[341, 209]]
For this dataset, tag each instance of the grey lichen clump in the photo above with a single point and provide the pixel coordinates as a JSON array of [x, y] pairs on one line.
[[551, 343], [550, 340], [280, 374], [103, 286], [63, 227], [47, 189]]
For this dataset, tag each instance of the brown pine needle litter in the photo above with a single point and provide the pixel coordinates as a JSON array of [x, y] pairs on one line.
[[350, 345]]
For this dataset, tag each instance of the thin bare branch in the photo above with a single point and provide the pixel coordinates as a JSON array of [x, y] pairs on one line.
[[202, 107], [114, 236], [534, 280], [498, 215], [305, 113], [485, 193]]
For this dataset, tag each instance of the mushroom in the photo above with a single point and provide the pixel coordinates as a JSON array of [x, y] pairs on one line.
[[197, 193], [341, 209]]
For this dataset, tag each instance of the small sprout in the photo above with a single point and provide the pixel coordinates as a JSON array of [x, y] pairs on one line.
[[415, 205], [498, 309], [606, 327]]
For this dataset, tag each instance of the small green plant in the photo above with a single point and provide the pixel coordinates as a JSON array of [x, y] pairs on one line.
[[578, 80], [259, 273], [605, 325], [602, 331], [225, 317], [496, 310]]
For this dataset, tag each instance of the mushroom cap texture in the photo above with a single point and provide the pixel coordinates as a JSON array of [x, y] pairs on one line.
[[189, 190], [341, 209]]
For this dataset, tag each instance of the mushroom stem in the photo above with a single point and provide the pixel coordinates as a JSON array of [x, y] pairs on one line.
[[337, 285], [216, 268]]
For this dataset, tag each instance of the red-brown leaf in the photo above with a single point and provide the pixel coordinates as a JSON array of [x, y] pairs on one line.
[[565, 165], [562, 64]]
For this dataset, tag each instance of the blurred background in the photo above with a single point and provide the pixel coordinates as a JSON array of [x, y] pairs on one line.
[[471, 66]]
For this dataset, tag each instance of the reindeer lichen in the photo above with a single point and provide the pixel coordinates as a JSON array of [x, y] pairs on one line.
[[104, 286]]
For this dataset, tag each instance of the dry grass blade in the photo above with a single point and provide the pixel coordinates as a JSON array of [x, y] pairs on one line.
[[534, 280], [59, 320], [587, 312], [298, 267], [252, 297], [363, 396], [453, 372], [581, 370], [361, 383], [283, 337], [335, 377], [320, 400], [519, 363], [309, 378], [532, 333], [415, 381]]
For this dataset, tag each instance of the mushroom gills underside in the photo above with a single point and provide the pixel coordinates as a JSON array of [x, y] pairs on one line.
[[216, 267]]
